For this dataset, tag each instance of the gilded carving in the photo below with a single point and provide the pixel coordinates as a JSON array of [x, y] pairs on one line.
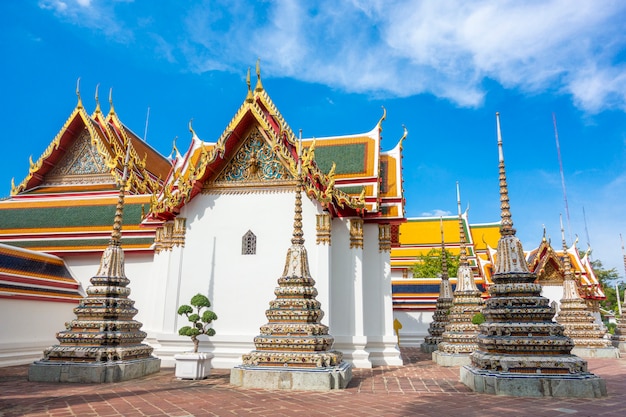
[[169, 235], [254, 162], [323, 229], [384, 237], [356, 233]]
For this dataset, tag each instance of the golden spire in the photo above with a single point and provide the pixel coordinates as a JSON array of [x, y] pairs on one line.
[[112, 111], [444, 257], [97, 101], [80, 101], [259, 85], [249, 97], [511, 257], [463, 251], [298, 234], [567, 265], [506, 226], [116, 235]]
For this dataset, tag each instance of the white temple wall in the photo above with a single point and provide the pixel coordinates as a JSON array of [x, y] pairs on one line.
[[30, 326], [378, 306], [342, 282], [553, 293], [373, 277], [415, 326], [240, 287]]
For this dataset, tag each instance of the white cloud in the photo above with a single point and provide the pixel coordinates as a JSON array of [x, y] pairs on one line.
[[446, 48], [436, 213], [96, 15]]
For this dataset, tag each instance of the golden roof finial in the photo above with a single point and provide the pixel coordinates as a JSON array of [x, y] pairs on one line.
[[404, 135], [380, 122], [506, 226], [80, 101], [259, 85], [193, 132], [112, 111], [463, 250], [249, 97], [97, 101], [174, 149]]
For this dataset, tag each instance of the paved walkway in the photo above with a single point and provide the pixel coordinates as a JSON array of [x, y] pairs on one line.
[[419, 388]]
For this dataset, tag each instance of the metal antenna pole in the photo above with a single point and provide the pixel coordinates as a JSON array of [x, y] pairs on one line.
[[558, 151]]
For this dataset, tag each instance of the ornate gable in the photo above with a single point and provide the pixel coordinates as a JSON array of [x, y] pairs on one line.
[[255, 163], [81, 164]]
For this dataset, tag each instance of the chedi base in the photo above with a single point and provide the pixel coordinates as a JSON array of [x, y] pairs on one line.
[[584, 385], [313, 379]]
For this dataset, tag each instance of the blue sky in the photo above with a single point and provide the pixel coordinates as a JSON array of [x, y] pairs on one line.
[[441, 68]]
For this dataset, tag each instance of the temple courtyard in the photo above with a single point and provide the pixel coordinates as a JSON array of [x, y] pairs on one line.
[[419, 388]]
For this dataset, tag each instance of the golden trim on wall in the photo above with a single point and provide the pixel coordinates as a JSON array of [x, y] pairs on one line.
[[170, 234], [323, 229], [356, 233], [384, 237]]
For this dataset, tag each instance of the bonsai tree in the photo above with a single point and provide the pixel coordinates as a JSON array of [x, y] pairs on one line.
[[200, 316]]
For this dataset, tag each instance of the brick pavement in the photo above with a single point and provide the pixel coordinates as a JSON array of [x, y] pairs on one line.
[[420, 388]]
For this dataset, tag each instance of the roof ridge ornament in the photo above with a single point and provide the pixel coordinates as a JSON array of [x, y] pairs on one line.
[[97, 101], [193, 132], [405, 133], [259, 85], [80, 101], [379, 125], [249, 97], [112, 111]]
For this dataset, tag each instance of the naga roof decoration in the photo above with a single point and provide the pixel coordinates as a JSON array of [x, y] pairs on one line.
[[259, 136], [108, 138]]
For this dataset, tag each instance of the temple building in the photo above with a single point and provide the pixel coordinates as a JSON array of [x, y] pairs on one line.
[[215, 219], [414, 299]]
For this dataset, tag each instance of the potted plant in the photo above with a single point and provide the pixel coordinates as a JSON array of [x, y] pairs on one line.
[[195, 365]]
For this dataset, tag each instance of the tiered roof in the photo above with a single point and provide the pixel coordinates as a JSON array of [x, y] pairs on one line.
[[343, 173], [417, 237], [63, 204], [29, 275]]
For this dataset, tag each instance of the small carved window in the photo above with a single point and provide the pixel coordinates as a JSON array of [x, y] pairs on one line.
[[248, 243]]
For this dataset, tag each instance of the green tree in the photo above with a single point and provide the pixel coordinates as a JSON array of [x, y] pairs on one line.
[[201, 320], [429, 265], [608, 278]]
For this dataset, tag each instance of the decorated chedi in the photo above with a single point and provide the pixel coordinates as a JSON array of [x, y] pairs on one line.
[[444, 302], [460, 336], [521, 351], [590, 338], [293, 350], [103, 343]]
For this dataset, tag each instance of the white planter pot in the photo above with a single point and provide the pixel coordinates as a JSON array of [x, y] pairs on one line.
[[193, 365]]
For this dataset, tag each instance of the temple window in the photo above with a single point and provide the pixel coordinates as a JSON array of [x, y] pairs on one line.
[[248, 243]]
